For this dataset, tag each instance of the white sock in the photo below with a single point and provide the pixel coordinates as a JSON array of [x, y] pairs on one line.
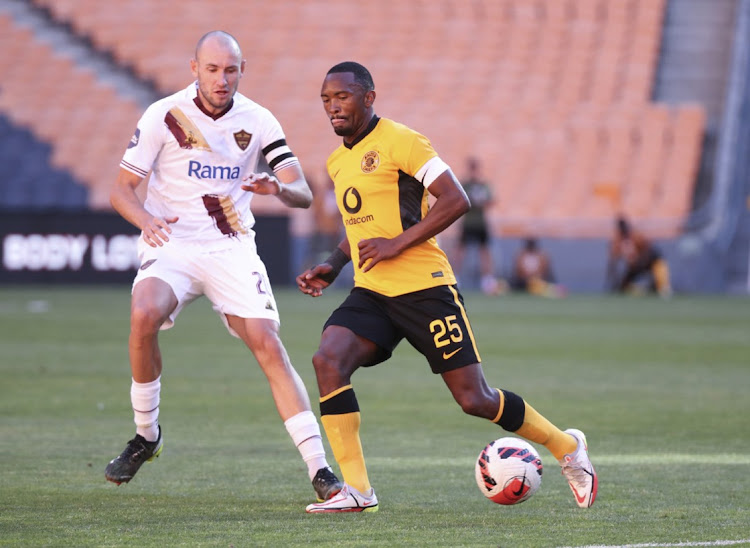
[[305, 432], [145, 400]]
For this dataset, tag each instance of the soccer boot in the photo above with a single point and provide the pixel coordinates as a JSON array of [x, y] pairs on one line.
[[580, 473], [347, 500], [326, 484], [122, 469]]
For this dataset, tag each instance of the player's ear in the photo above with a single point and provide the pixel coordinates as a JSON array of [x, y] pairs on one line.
[[369, 98], [242, 68], [194, 67]]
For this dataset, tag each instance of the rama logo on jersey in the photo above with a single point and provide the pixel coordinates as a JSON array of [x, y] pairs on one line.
[[207, 171]]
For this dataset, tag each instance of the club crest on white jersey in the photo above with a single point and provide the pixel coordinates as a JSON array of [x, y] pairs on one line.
[[197, 161]]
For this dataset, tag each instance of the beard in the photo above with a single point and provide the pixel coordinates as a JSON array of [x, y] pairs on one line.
[[215, 101], [345, 131]]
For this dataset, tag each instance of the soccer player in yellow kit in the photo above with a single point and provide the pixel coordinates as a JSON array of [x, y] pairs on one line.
[[404, 287]]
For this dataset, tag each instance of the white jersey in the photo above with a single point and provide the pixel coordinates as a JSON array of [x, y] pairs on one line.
[[197, 163]]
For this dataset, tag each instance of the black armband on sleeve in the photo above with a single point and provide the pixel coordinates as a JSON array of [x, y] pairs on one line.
[[337, 260]]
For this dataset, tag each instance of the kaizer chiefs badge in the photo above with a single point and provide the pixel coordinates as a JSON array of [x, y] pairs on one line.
[[370, 162], [242, 138]]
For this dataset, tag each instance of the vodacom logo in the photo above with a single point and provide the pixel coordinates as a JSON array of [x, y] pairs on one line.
[[352, 200]]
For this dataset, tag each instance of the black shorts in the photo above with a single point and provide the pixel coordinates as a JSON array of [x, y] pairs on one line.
[[433, 320], [475, 235]]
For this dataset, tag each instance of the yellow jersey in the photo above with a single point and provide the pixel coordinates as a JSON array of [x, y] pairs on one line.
[[378, 196]]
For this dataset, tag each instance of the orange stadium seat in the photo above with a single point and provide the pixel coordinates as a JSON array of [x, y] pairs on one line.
[[613, 165], [553, 96], [574, 184], [70, 113], [648, 162], [672, 201]]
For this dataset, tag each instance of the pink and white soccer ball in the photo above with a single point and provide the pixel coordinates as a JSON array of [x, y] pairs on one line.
[[508, 471]]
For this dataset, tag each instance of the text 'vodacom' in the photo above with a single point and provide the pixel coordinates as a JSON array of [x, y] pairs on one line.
[[359, 220]]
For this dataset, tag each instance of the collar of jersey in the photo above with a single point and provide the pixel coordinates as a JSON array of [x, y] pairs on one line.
[[373, 122], [199, 104]]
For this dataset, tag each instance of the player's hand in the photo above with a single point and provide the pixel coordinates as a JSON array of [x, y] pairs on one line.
[[310, 281], [262, 183], [156, 231], [375, 250]]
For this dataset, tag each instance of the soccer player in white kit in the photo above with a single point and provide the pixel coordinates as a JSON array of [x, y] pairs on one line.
[[202, 146]]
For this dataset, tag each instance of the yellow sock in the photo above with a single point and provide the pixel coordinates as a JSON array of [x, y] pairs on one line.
[[660, 270], [539, 430], [343, 435], [539, 287]]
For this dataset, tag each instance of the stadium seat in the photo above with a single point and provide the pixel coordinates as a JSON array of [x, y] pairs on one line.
[[70, 112], [576, 180], [648, 163], [672, 202], [491, 78]]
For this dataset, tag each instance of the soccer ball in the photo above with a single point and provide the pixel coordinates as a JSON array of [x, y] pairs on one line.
[[508, 471]]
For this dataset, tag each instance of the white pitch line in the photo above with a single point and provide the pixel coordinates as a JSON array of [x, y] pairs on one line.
[[671, 458], [667, 545], [636, 459]]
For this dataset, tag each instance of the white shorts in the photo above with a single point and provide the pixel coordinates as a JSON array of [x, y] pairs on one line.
[[229, 273]]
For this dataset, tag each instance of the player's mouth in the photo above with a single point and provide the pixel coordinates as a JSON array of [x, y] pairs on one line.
[[338, 122]]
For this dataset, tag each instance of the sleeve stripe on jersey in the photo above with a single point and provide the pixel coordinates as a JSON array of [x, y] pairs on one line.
[[279, 162], [134, 169], [276, 144], [279, 155]]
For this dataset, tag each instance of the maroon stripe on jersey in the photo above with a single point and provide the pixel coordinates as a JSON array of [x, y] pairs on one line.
[[177, 131], [215, 210], [223, 214]]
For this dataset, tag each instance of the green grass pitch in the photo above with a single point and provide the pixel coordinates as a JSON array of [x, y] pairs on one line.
[[659, 387]]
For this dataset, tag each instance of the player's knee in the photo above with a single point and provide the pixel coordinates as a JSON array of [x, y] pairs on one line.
[[324, 362], [472, 403], [145, 318], [262, 338]]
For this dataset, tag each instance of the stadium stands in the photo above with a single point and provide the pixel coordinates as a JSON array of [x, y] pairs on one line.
[[87, 123], [552, 95], [28, 181]]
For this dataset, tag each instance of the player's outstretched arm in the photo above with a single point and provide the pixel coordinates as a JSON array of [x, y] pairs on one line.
[[288, 184]]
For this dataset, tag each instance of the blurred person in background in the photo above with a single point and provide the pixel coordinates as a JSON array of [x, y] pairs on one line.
[[475, 232], [532, 272], [202, 146], [632, 257]]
